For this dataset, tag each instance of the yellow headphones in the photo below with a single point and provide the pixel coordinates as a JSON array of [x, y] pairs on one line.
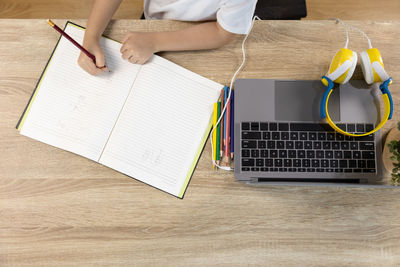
[[342, 68]]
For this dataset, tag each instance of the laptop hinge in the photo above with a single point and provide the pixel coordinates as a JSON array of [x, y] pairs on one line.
[[307, 180]]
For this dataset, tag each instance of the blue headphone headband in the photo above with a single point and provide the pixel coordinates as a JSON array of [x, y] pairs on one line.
[[385, 90], [329, 88]]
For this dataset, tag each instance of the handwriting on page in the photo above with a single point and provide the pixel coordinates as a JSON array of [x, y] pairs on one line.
[[152, 156]]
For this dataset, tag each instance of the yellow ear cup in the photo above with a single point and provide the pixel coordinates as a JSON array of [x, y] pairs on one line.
[[342, 66], [369, 58]]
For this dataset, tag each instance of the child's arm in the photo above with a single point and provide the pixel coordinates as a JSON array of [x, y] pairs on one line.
[[138, 47], [100, 15]]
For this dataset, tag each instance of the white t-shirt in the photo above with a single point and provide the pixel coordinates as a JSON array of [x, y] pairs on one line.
[[233, 15]]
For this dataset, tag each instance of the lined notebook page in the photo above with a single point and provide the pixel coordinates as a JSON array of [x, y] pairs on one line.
[[73, 110], [162, 124]]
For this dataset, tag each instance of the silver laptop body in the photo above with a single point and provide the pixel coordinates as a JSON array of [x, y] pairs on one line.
[[293, 104]]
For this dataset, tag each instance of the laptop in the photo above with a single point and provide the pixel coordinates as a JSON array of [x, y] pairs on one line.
[[282, 140]]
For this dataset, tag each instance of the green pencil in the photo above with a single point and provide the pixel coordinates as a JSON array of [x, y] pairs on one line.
[[218, 132]]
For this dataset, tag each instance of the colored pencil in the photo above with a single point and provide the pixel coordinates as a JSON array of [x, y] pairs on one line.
[[87, 53], [228, 111], [225, 97], [218, 133], [221, 123], [214, 135], [232, 123]]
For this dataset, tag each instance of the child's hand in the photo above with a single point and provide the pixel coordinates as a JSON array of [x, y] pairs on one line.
[[138, 47], [86, 63]]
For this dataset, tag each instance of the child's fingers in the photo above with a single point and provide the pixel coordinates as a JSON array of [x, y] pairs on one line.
[[141, 61], [126, 38], [89, 66], [105, 68], [99, 66], [97, 70], [123, 47], [92, 69], [127, 54], [100, 61], [132, 60], [85, 66]]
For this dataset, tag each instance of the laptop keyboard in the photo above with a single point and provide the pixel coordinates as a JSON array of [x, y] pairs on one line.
[[306, 147]]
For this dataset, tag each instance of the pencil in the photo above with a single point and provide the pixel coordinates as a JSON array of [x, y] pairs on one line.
[[221, 123], [228, 111], [218, 133], [87, 53], [225, 97], [214, 135], [232, 123]]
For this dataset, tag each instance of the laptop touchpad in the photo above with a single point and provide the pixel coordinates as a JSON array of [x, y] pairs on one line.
[[300, 101]]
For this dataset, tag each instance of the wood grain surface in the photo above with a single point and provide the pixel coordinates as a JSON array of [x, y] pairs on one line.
[[353, 10], [57, 208], [133, 9], [61, 9]]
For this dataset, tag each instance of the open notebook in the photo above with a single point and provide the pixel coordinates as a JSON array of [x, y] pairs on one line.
[[147, 121]]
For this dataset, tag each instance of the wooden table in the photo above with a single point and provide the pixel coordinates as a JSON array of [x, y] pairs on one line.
[[57, 208]]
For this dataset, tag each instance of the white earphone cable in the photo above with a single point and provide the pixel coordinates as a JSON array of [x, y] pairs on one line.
[[227, 168], [354, 28], [345, 28]]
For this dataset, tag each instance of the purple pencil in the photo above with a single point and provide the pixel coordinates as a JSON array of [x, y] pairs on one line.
[[232, 122]]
